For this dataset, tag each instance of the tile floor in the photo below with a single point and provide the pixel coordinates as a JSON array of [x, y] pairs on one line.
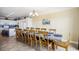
[[11, 44]]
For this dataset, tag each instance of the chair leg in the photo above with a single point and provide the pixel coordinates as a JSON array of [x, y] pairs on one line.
[[40, 44], [66, 49], [31, 42], [53, 46], [56, 46], [28, 42], [36, 43], [25, 41], [49, 46]]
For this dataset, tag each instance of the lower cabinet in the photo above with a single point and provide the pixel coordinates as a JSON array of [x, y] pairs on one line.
[[5, 33], [9, 32]]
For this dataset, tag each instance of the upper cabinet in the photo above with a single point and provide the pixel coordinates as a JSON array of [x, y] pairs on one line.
[[24, 23], [8, 22]]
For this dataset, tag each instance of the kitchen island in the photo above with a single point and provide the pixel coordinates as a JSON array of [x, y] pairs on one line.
[[8, 32]]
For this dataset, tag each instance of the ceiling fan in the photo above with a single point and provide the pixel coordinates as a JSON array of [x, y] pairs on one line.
[[33, 13]]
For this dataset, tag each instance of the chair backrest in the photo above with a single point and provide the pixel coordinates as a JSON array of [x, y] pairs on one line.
[[22, 34], [32, 33], [32, 28], [28, 28], [27, 31], [52, 30], [37, 29], [18, 32], [26, 35], [43, 29], [43, 34]]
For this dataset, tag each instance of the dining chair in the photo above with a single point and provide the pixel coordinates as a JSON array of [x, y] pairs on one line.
[[18, 34], [32, 37], [22, 36], [42, 40], [36, 37], [26, 34]]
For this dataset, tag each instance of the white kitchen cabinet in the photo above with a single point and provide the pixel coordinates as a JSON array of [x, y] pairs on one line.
[[12, 32], [24, 23]]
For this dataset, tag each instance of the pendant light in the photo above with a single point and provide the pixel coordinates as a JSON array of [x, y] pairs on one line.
[[33, 13]]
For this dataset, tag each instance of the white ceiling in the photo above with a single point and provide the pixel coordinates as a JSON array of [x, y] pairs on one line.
[[24, 11]]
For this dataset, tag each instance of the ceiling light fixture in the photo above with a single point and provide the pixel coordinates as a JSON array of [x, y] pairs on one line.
[[33, 13]]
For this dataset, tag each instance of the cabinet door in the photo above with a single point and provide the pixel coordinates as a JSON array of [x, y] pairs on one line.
[[29, 22], [25, 23], [22, 24]]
